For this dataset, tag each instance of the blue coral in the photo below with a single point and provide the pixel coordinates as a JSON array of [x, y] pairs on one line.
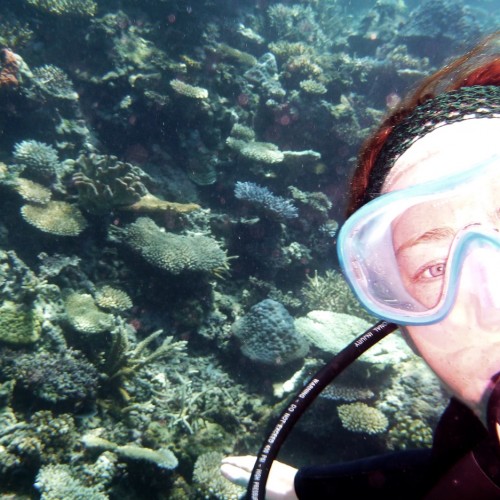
[[264, 199], [267, 335]]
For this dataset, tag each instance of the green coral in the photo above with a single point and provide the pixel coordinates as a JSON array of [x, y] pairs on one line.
[[66, 7], [18, 325], [172, 252], [409, 433]]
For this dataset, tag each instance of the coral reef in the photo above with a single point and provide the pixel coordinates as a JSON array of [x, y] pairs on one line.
[[176, 134]]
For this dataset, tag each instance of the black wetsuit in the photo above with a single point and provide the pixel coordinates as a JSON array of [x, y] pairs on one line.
[[463, 463]]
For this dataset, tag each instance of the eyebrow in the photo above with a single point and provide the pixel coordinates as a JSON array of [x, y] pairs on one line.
[[436, 234]]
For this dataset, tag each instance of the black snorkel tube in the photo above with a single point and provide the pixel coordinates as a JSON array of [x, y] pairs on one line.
[[294, 410]]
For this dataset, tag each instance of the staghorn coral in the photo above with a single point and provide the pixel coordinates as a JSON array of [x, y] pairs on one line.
[[18, 325], [53, 82], [13, 33], [56, 217], [113, 299], [84, 316], [331, 292], [187, 90], [263, 199], [359, 417], [36, 156], [172, 252], [104, 183], [86, 8], [122, 361], [267, 335]]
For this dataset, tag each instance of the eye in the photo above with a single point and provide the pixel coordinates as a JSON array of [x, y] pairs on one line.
[[433, 271]]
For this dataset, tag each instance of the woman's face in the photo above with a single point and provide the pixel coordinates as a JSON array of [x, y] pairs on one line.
[[464, 348]]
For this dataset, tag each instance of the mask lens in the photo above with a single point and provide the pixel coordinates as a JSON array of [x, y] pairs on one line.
[[396, 251]]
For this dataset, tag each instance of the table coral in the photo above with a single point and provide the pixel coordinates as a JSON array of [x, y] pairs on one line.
[[359, 417], [56, 217], [172, 252]]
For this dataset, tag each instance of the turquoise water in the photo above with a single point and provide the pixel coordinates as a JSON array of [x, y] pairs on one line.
[[172, 176]]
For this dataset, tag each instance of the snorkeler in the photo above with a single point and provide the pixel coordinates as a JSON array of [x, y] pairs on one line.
[[421, 248]]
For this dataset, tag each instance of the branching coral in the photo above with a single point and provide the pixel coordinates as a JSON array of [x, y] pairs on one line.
[[266, 201], [187, 90]]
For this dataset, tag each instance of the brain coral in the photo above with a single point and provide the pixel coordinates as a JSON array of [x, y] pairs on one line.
[[17, 324], [56, 217], [172, 252], [359, 417], [267, 334]]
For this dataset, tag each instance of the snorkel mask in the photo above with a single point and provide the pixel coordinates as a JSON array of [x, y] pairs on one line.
[[413, 277], [404, 252]]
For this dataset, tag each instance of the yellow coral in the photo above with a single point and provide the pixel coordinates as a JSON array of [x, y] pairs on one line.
[[18, 325], [56, 217], [359, 417], [150, 203], [312, 87]]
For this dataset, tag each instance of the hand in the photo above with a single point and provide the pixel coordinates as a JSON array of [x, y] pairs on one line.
[[279, 483]]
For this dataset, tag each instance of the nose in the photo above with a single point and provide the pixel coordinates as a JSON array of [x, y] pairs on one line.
[[479, 286]]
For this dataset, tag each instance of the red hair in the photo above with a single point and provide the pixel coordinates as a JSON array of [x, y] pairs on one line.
[[480, 66]]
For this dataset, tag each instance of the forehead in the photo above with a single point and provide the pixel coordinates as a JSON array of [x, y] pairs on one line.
[[444, 151]]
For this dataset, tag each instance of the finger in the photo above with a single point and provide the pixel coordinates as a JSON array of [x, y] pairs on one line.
[[235, 474], [246, 462]]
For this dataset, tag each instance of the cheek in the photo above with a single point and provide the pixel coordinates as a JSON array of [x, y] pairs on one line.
[[464, 359]]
